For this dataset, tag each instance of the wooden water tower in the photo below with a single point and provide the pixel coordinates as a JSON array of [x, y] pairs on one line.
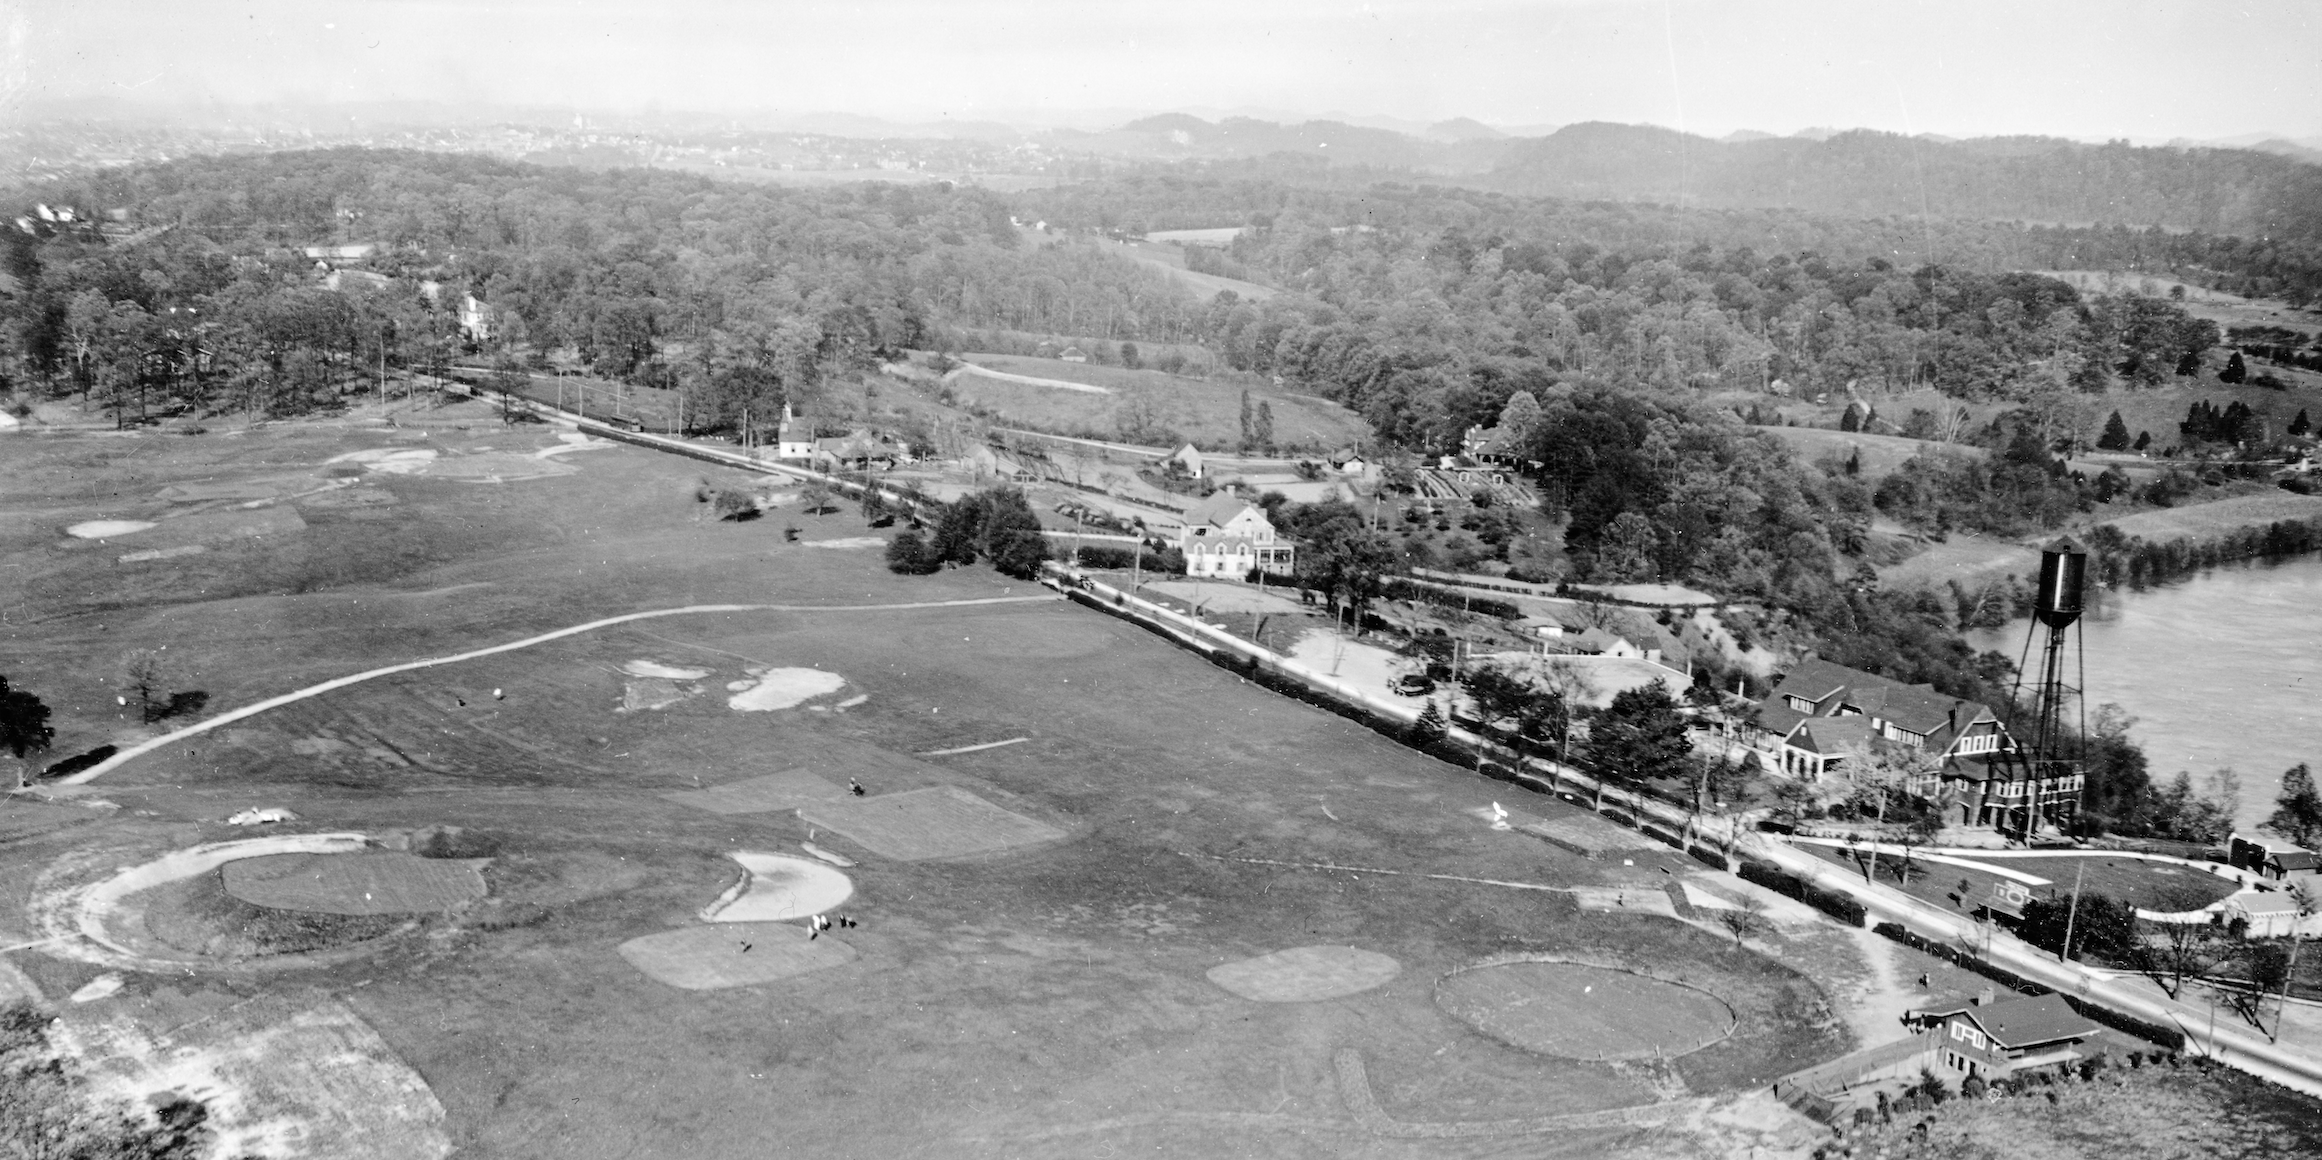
[[2043, 772]]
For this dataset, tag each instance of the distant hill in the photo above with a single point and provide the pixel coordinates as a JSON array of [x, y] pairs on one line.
[[1868, 174]]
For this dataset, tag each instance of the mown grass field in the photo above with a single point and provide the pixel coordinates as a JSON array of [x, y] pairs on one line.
[[1040, 1000], [1207, 412]]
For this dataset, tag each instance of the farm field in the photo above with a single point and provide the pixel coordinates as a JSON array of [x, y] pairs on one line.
[[1207, 412], [1036, 983]]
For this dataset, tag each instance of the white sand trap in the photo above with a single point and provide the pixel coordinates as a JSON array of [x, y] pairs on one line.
[[782, 688], [97, 988], [389, 461], [742, 954], [666, 672], [779, 888], [1305, 974], [573, 441], [849, 542], [164, 553], [651, 693], [853, 701], [107, 529]]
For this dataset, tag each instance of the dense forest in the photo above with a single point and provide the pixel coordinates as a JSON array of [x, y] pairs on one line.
[[193, 281]]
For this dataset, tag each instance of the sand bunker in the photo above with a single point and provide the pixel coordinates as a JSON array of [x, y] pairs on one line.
[[782, 688], [98, 988], [666, 672], [389, 461], [383, 883], [1305, 974], [849, 542], [652, 693], [743, 954], [107, 529], [572, 441], [496, 467], [777, 888]]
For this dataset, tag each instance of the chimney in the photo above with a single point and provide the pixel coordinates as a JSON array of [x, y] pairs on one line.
[[1983, 998]]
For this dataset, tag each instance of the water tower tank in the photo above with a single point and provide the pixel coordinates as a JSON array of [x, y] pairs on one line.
[[2063, 569]]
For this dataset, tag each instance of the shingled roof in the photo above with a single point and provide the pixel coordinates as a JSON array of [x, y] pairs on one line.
[[2027, 1022]]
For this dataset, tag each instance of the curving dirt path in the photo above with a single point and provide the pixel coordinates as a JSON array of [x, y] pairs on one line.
[[144, 747]]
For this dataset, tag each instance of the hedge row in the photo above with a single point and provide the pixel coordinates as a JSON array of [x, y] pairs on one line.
[[1773, 878], [2168, 1037], [1397, 588]]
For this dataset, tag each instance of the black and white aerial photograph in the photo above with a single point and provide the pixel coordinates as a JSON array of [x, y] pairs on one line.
[[1089, 579]]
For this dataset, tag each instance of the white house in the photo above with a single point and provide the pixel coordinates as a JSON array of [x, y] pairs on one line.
[[1226, 535], [1188, 456], [792, 438]]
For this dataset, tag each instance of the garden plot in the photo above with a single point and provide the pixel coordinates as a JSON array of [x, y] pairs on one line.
[[743, 954], [1306, 974], [938, 822], [777, 888], [383, 883], [1579, 1011], [786, 790]]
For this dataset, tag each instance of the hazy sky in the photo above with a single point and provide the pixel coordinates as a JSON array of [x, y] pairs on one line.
[[2085, 68]]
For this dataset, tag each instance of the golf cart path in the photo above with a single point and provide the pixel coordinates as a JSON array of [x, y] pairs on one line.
[[228, 718]]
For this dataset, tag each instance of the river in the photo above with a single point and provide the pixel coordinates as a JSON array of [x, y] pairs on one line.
[[2220, 668]]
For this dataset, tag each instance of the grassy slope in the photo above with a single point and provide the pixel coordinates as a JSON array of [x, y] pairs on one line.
[[1206, 411]]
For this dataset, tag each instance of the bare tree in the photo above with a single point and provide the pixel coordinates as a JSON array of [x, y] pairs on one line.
[[2177, 951], [143, 678], [1744, 918], [1882, 771], [2308, 901]]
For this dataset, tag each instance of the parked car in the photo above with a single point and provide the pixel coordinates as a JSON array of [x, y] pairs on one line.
[[1413, 685]]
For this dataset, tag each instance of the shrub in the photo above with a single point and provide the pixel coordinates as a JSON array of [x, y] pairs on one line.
[[1973, 1088], [1838, 906], [736, 505], [908, 554]]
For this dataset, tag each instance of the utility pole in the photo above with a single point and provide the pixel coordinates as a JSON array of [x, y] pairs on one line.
[[2072, 915]]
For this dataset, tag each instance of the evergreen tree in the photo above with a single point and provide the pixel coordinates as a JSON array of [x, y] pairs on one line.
[[24, 727], [2115, 437], [2300, 426], [1011, 535], [1429, 728], [1639, 737], [2235, 370], [1249, 435], [2144, 440], [1262, 428], [2189, 363]]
